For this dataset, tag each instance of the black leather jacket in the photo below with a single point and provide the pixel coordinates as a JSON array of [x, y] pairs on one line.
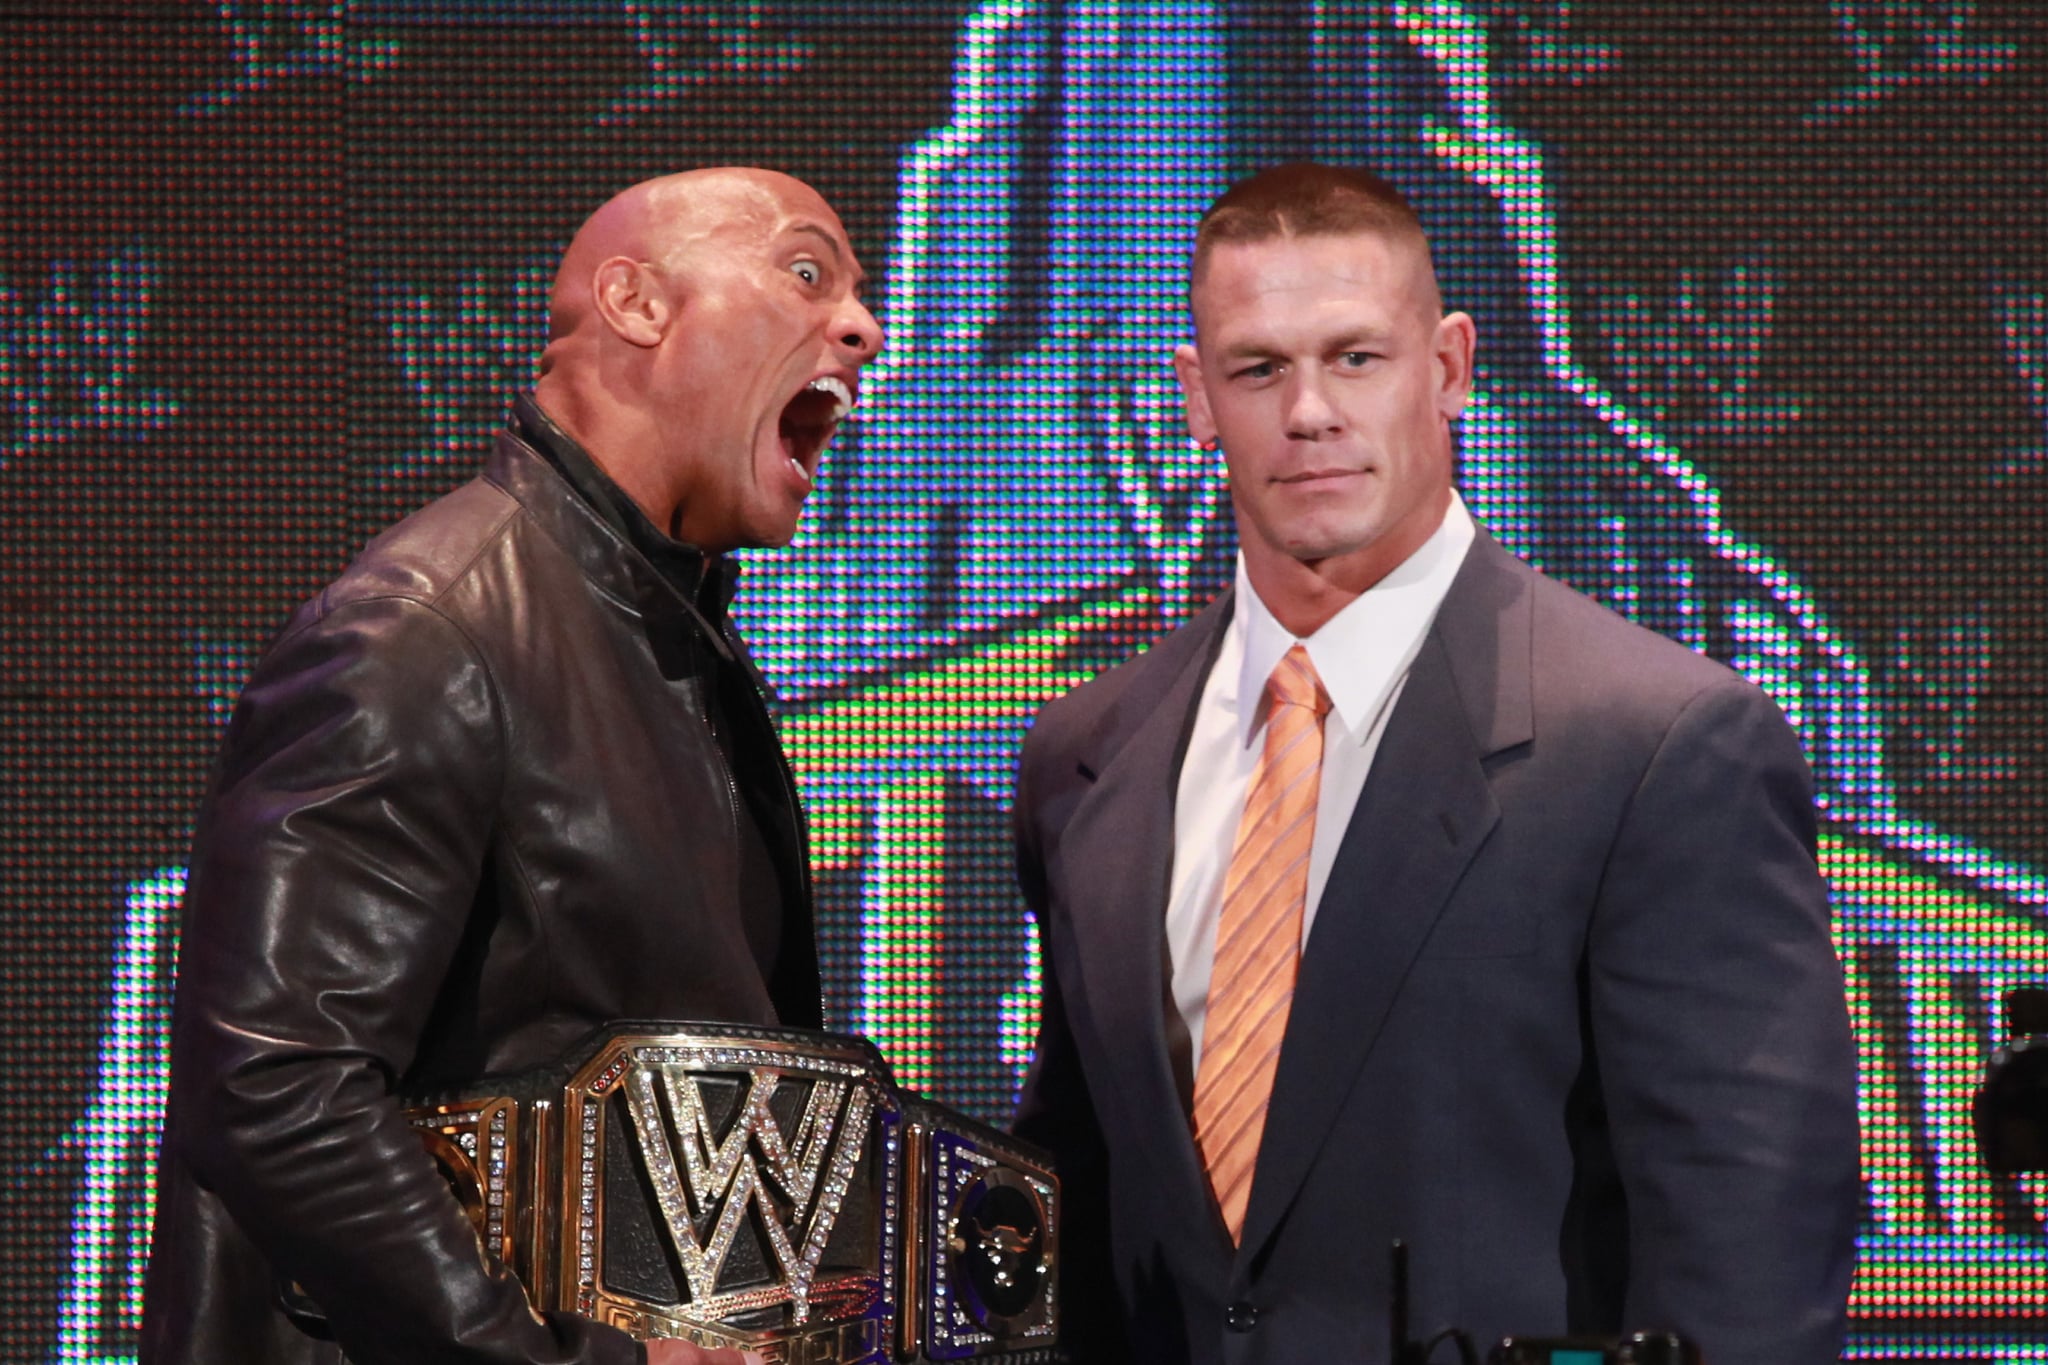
[[471, 805]]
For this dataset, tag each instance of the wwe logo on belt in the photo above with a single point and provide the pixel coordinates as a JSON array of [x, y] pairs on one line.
[[753, 1161]]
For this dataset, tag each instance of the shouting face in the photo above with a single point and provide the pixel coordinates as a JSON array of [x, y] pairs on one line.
[[761, 356]]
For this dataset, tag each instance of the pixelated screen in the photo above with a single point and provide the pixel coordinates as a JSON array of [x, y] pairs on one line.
[[1762, 293]]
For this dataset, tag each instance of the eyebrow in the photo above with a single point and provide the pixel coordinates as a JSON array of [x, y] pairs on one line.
[[1353, 339], [831, 244]]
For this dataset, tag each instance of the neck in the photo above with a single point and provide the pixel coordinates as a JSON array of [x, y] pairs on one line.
[[615, 438], [1301, 599], [1304, 594]]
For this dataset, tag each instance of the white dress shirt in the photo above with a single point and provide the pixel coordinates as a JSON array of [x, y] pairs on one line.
[[1362, 654]]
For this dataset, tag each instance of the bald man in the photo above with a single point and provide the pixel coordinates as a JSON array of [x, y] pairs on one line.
[[508, 778]]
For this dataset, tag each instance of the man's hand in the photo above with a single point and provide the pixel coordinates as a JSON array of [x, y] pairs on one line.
[[670, 1351]]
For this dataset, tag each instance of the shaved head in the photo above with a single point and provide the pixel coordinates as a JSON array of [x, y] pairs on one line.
[[663, 221], [705, 336]]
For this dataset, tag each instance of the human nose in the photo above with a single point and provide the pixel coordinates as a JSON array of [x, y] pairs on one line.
[[858, 331], [1310, 414]]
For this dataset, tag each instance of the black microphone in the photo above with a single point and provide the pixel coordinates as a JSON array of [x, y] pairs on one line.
[[1397, 1307]]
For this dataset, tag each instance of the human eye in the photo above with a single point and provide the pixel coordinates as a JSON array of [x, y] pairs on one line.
[[1354, 360], [1257, 370], [809, 271]]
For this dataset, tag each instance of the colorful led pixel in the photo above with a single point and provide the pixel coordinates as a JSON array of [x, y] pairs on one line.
[[1764, 366]]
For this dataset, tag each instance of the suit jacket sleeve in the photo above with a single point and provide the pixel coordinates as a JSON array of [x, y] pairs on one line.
[[1723, 1043], [334, 879], [1056, 1112]]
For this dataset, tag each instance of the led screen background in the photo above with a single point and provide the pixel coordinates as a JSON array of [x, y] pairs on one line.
[[1762, 292]]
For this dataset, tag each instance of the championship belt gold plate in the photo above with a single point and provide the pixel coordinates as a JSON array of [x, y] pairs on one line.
[[771, 1189]]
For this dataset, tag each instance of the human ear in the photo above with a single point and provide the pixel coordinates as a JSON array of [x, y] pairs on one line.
[[632, 300], [1456, 340], [1187, 367]]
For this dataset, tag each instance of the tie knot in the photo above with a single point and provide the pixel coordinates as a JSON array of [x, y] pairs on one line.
[[1294, 683]]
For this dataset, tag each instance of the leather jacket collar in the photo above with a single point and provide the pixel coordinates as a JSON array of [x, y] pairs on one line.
[[614, 566]]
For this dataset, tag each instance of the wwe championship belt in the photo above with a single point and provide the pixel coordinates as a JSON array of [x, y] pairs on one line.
[[771, 1189]]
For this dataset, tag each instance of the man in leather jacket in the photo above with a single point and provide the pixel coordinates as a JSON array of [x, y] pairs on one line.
[[506, 779]]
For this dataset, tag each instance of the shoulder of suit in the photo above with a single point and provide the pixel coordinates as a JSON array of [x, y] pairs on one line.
[[1611, 658], [1124, 693]]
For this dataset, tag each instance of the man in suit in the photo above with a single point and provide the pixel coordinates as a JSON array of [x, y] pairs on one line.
[[1404, 893], [507, 779]]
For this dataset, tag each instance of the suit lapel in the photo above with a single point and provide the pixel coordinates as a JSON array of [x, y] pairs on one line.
[[1425, 810], [1119, 847]]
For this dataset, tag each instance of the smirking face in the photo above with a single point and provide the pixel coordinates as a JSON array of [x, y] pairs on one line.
[[1327, 372]]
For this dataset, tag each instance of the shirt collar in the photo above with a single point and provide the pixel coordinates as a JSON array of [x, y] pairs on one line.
[[1362, 652]]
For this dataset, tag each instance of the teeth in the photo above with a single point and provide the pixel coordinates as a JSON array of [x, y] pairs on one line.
[[841, 396]]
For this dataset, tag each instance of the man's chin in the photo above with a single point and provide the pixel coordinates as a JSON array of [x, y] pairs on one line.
[[772, 530], [1313, 544]]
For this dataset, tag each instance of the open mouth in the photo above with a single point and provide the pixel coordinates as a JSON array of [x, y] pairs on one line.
[[810, 419]]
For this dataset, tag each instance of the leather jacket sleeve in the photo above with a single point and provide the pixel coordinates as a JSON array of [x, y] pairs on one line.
[[336, 870]]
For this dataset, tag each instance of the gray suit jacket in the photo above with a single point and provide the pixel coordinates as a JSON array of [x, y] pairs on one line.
[[1569, 1021]]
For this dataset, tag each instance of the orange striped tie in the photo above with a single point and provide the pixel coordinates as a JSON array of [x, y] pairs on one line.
[[1258, 940]]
